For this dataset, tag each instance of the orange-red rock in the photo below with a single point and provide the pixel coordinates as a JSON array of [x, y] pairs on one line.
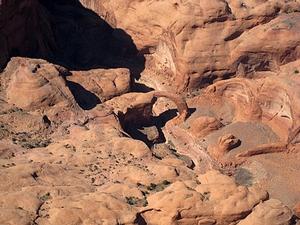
[[206, 41]]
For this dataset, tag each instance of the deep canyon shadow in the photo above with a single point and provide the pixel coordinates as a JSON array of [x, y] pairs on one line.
[[65, 33]]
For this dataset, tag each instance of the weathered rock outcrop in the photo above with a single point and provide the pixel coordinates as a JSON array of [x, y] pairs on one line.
[[261, 114], [269, 212], [136, 108], [209, 40], [224, 145], [35, 84], [38, 86], [107, 176], [103, 83], [233, 39], [203, 125], [272, 100], [216, 200]]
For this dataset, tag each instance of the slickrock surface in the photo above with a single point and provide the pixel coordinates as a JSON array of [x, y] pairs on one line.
[[262, 213], [90, 171], [255, 117], [149, 112]]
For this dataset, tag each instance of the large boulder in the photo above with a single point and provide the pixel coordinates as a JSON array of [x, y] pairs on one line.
[[35, 84], [103, 83], [269, 212]]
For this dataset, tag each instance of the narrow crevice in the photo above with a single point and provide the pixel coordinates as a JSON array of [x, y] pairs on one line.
[[140, 220], [234, 35], [38, 214]]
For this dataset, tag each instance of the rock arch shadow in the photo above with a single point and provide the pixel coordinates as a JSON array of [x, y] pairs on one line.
[[64, 32]]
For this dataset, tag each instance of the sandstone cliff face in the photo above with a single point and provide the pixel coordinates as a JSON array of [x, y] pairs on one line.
[[200, 42]]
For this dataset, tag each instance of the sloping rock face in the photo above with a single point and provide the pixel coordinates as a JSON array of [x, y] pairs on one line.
[[40, 83], [36, 85], [237, 121], [209, 40], [104, 83], [271, 208], [227, 112]]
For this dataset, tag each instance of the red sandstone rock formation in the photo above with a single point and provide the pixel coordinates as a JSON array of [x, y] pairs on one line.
[[224, 145], [67, 155], [209, 40], [136, 108]]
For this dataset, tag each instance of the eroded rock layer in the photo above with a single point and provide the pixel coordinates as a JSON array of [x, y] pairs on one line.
[[204, 41], [95, 133]]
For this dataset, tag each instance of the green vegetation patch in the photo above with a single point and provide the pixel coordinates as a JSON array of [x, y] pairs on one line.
[[134, 201]]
